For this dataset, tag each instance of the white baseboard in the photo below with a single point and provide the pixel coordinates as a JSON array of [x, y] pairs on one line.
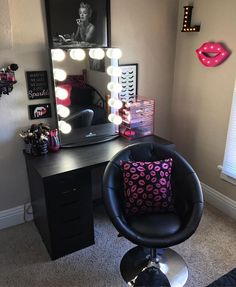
[[220, 201], [13, 216]]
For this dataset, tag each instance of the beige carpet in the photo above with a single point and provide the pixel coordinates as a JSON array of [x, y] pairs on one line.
[[24, 261]]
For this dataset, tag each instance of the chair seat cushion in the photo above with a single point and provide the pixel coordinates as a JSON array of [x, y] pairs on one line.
[[155, 224]]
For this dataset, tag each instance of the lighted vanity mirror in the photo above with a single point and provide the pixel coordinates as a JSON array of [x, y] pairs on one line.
[[81, 96]]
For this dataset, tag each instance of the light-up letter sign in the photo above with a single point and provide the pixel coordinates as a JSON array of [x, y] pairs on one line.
[[187, 21]]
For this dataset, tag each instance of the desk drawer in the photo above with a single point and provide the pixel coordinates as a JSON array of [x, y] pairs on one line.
[[65, 246], [68, 188], [72, 211], [73, 228], [75, 211]]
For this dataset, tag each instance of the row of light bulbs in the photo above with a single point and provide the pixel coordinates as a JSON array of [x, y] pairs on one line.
[[59, 55], [113, 87], [60, 75]]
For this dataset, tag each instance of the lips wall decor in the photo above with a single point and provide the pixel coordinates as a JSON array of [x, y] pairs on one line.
[[212, 54]]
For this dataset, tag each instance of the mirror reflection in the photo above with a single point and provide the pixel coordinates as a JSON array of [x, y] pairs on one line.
[[81, 92]]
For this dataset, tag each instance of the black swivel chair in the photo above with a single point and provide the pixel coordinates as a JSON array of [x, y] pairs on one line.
[[154, 233]]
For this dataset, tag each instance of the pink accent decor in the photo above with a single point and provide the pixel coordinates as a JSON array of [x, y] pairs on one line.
[[212, 54], [137, 119], [147, 186], [67, 101]]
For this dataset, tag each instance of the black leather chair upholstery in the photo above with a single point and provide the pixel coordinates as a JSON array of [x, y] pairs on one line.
[[157, 230], [81, 119]]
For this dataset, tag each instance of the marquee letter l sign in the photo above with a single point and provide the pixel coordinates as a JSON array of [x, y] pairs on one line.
[[187, 21]]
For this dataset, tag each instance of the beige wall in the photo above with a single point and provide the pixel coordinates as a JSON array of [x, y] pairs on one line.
[[146, 32], [24, 45], [202, 96]]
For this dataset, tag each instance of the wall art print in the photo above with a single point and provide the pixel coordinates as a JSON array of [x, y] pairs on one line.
[[39, 111], [37, 85], [74, 24], [212, 54], [129, 83]]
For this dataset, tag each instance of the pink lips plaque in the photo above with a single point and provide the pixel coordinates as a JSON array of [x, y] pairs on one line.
[[212, 54]]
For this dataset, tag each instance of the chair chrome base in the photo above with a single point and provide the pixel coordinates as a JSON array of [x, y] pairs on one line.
[[168, 261]]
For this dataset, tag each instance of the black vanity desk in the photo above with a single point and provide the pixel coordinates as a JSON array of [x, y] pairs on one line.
[[61, 192]]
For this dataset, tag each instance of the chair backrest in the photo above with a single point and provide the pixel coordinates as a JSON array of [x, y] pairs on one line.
[[85, 117], [81, 119]]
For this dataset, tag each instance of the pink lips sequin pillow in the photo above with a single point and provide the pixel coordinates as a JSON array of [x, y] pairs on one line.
[[147, 186]]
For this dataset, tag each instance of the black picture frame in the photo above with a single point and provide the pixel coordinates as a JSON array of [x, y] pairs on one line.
[[129, 82], [63, 21], [37, 85], [39, 111]]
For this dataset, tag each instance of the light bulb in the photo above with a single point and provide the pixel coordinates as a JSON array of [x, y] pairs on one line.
[[115, 103], [64, 127], [114, 53], [59, 74], [117, 120], [61, 93], [58, 55], [77, 54], [114, 87], [63, 111], [98, 53], [111, 117], [111, 102], [91, 53], [118, 104], [114, 71]]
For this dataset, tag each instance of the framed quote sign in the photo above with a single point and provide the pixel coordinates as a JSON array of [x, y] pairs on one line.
[[37, 85]]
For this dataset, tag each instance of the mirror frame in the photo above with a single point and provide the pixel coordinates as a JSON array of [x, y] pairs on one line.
[[95, 133]]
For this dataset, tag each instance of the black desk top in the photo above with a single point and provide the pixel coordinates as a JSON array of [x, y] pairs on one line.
[[70, 159]]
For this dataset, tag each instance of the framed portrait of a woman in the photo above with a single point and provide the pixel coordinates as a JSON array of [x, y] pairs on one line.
[[75, 24]]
